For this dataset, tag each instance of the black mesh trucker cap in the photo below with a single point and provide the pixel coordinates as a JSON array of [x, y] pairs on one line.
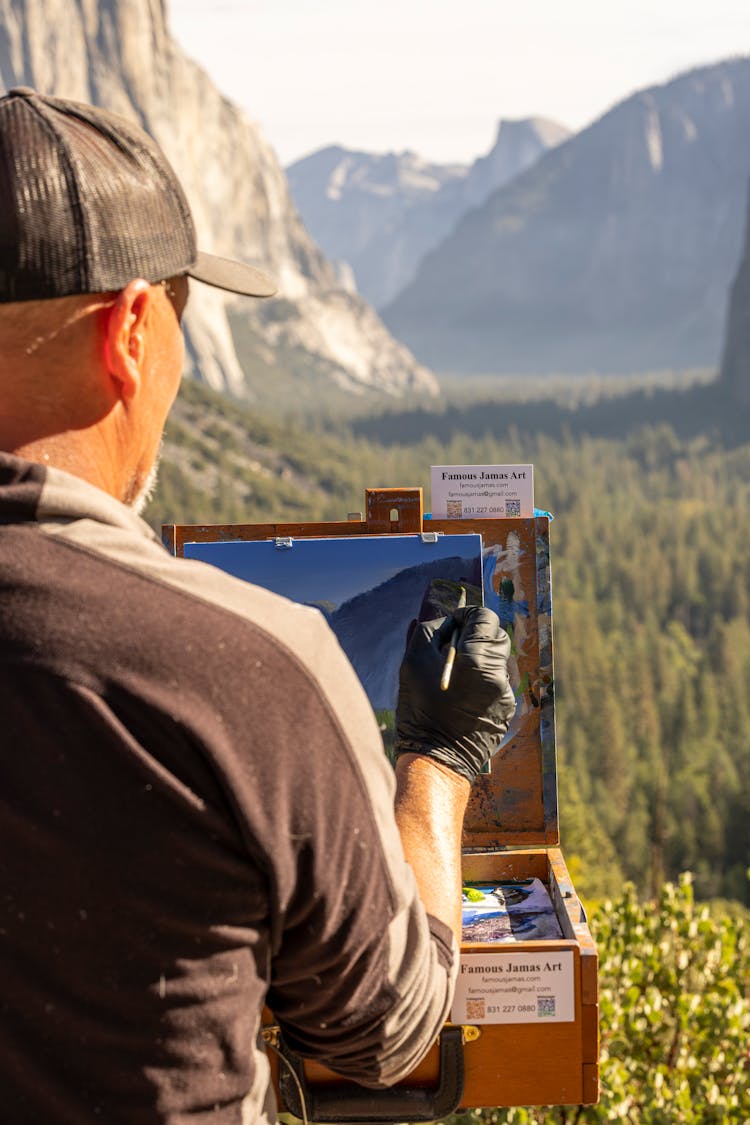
[[88, 202]]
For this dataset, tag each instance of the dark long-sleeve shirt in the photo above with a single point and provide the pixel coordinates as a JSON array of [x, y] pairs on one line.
[[195, 818]]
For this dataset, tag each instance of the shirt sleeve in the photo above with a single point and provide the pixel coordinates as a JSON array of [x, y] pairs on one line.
[[361, 976], [358, 976]]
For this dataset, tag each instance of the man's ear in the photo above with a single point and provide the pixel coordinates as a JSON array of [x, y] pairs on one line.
[[125, 337]]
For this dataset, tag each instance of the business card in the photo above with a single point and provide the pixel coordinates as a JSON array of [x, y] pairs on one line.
[[482, 491], [530, 987]]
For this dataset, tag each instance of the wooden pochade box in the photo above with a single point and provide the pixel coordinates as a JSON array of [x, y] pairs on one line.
[[528, 1032]]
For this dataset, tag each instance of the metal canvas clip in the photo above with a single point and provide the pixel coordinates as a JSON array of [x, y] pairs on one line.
[[283, 543], [429, 536]]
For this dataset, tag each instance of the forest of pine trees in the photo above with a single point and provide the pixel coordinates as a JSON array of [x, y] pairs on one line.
[[651, 593]]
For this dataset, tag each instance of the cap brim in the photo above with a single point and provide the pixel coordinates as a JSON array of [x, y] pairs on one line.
[[235, 277]]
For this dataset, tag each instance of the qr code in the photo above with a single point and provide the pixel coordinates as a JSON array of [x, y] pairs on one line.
[[545, 1006], [455, 509], [475, 1009], [512, 507]]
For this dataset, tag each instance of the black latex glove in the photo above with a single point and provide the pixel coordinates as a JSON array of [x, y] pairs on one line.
[[463, 726]]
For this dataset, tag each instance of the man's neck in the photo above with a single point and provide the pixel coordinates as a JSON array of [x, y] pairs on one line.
[[80, 453]]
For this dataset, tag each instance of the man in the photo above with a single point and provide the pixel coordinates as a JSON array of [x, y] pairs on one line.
[[195, 814]]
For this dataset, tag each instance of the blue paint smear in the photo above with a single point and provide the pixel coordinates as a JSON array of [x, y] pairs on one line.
[[506, 610]]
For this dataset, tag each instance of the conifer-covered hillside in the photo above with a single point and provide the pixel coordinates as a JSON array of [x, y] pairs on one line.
[[651, 594]]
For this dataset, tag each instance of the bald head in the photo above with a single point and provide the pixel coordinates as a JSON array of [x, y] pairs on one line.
[[49, 361], [28, 326], [86, 381]]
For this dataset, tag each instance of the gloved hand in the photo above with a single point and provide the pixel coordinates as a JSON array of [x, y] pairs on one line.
[[463, 726]]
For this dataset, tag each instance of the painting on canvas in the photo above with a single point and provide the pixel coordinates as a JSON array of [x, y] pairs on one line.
[[369, 588]]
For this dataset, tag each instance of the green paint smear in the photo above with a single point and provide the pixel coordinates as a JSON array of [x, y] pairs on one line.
[[473, 894]]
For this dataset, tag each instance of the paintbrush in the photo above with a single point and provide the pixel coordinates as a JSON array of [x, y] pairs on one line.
[[451, 656]]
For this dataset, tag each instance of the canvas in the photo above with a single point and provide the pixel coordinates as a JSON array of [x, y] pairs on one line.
[[369, 588]]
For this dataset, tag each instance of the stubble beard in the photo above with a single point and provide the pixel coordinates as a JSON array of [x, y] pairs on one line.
[[140, 491]]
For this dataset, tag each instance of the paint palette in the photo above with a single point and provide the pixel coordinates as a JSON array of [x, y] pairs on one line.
[[521, 910]]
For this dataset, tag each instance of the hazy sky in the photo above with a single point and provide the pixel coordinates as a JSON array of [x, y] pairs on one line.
[[335, 570], [436, 75]]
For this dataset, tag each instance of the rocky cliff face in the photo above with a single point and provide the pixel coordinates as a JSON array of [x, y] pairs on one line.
[[380, 214], [120, 54], [518, 145], [613, 253], [358, 206], [735, 364]]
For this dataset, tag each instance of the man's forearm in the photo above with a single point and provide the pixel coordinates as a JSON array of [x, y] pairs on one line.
[[430, 805]]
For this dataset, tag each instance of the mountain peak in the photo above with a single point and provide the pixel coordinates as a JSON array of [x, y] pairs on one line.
[[612, 254], [381, 212], [121, 55], [550, 132]]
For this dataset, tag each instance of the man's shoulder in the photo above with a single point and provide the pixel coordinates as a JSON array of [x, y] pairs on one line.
[[192, 596], [77, 514], [121, 600]]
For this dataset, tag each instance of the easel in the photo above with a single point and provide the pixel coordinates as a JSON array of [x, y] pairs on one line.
[[510, 832], [387, 511]]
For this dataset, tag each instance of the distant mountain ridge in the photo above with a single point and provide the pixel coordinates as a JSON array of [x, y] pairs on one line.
[[121, 55], [612, 253], [380, 213]]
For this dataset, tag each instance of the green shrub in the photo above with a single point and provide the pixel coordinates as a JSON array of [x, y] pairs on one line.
[[674, 1016]]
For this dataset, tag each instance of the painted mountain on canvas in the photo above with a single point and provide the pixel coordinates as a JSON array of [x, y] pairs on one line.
[[614, 252], [371, 627], [380, 214]]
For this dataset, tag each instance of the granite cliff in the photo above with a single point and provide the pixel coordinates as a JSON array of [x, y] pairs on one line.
[[735, 364], [614, 252], [120, 54]]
